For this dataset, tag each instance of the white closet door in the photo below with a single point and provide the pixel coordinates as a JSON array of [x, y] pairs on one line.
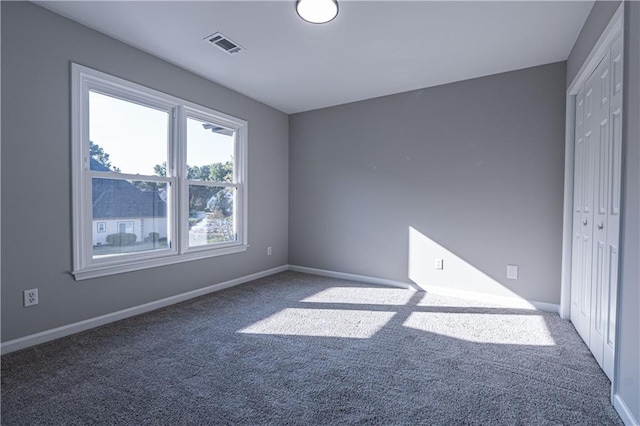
[[583, 216], [596, 214], [601, 82], [580, 298], [612, 222]]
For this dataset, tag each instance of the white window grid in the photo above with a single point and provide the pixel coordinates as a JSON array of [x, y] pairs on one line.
[[85, 266]]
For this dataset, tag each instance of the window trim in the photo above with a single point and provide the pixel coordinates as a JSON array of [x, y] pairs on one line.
[[84, 79], [184, 113]]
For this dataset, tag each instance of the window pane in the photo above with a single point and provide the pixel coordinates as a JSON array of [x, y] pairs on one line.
[[126, 137], [128, 216], [209, 151], [211, 218]]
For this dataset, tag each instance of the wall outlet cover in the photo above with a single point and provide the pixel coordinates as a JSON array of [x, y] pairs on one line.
[[30, 297]]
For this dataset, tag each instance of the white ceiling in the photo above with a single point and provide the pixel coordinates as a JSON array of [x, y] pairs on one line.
[[371, 49]]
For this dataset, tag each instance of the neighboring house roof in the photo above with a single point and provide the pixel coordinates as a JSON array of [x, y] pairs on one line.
[[115, 198]]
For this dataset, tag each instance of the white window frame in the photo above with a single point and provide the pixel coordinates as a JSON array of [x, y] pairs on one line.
[[83, 80], [199, 114]]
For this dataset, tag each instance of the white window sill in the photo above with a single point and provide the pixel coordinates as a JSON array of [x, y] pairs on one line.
[[97, 270]]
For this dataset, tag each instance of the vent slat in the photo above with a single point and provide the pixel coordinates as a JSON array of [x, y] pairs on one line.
[[224, 43]]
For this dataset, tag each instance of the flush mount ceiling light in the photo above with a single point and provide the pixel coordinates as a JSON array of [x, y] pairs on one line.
[[317, 11]]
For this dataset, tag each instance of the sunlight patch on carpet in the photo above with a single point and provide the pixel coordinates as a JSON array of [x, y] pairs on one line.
[[484, 328], [321, 323], [362, 296]]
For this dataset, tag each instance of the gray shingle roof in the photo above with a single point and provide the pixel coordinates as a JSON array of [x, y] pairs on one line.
[[115, 198]]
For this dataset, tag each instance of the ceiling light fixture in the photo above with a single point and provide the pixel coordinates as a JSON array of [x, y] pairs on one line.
[[317, 11]]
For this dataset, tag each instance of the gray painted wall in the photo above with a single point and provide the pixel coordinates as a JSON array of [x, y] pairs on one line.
[[37, 48], [475, 168], [597, 21], [628, 379]]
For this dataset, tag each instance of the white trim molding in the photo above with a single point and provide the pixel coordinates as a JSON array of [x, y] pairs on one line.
[[510, 302], [608, 36], [624, 412], [614, 29], [77, 327], [352, 277], [611, 32], [86, 264]]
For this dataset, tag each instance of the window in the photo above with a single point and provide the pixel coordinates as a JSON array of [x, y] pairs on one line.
[[156, 179]]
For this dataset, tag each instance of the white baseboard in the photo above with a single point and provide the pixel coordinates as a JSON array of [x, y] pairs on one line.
[[463, 294], [66, 330], [511, 302], [624, 412], [352, 277]]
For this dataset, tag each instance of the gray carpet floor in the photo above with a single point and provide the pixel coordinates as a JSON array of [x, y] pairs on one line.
[[300, 349]]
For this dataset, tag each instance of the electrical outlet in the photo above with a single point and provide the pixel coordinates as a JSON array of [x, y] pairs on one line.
[[269, 251], [30, 297], [440, 264]]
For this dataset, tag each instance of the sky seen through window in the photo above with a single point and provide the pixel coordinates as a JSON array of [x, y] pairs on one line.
[[136, 136]]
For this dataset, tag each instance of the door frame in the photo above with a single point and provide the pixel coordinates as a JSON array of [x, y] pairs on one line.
[[614, 29]]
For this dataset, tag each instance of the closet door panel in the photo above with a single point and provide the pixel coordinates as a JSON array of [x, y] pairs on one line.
[[601, 80], [580, 298], [596, 208], [613, 208]]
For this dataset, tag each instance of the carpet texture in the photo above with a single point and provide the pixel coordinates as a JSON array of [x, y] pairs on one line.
[[299, 349]]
